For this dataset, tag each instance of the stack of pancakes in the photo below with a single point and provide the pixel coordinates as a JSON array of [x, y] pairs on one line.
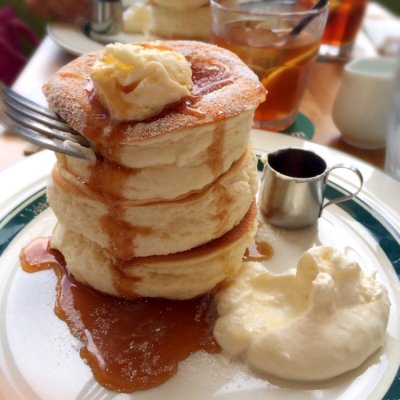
[[167, 208], [170, 19]]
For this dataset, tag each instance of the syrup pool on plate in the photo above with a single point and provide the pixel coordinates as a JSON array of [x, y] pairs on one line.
[[129, 345]]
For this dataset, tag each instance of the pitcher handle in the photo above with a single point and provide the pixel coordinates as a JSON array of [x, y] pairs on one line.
[[348, 196]]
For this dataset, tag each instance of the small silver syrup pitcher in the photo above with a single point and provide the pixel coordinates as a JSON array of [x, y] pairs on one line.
[[293, 186]]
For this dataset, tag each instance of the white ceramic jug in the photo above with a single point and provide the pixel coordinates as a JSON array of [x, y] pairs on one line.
[[362, 106]]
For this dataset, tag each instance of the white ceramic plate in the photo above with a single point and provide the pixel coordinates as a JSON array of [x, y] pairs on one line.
[[75, 40], [39, 359]]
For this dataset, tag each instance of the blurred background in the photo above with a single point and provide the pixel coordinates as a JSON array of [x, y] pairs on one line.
[[37, 24], [23, 25]]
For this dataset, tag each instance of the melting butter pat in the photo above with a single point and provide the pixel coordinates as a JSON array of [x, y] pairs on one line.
[[136, 82], [325, 320]]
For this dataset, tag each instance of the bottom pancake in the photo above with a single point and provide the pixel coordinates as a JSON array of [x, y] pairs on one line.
[[175, 276]]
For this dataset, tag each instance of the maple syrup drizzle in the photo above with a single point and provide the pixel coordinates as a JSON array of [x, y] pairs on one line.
[[259, 251], [121, 234], [157, 46], [107, 179], [216, 150], [216, 164], [129, 345], [209, 77]]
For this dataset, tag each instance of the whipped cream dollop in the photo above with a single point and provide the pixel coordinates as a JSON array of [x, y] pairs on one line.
[[135, 82], [325, 320]]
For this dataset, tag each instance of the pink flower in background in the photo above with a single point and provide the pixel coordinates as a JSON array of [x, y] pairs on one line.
[[13, 33]]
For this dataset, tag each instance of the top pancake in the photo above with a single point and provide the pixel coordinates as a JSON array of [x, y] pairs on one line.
[[223, 88]]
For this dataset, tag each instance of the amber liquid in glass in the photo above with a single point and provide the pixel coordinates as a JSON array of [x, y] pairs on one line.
[[281, 62], [344, 21]]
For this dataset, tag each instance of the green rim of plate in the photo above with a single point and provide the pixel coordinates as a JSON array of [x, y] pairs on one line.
[[381, 229], [20, 216]]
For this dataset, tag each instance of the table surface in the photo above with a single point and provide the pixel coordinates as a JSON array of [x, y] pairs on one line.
[[317, 104]]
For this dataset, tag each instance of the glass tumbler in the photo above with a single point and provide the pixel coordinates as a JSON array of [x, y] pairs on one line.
[[392, 160], [266, 36], [344, 22]]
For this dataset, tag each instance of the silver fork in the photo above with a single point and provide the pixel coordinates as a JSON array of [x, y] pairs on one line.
[[40, 126]]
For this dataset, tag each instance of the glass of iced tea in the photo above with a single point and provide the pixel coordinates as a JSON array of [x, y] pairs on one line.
[[344, 21], [264, 35]]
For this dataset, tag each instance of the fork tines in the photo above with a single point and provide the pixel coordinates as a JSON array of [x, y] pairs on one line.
[[40, 125]]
